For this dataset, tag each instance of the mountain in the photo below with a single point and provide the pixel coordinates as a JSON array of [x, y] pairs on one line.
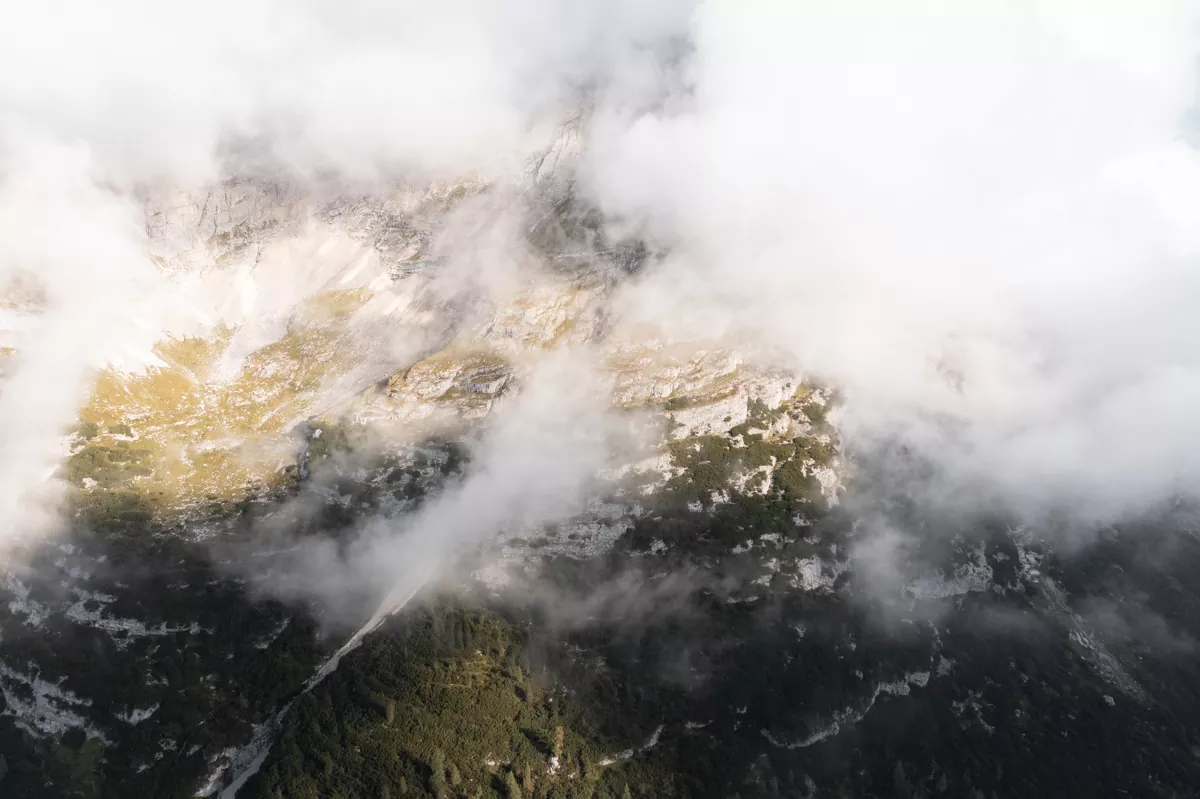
[[406, 502]]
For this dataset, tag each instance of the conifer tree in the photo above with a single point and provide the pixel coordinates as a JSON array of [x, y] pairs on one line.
[[527, 780], [558, 743], [437, 781], [511, 787]]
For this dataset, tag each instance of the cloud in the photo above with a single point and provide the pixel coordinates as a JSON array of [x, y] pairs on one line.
[[358, 89], [537, 461], [975, 220], [991, 191], [1132, 622], [80, 243], [101, 104]]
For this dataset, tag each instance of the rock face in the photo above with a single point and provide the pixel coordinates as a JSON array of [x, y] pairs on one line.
[[220, 224], [326, 353], [449, 388], [411, 310]]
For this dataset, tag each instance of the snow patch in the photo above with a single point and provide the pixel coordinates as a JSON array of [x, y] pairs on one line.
[[651, 742], [34, 613], [51, 710], [138, 715], [851, 716], [270, 637], [974, 707], [814, 574], [122, 630], [971, 577]]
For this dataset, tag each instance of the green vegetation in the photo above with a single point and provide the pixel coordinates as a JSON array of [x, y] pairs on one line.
[[457, 701], [75, 763], [684, 402], [712, 463], [477, 699], [109, 465], [334, 438], [447, 702], [207, 675], [816, 413]]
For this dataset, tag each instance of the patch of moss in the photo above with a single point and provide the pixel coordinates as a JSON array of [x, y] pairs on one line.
[[109, 465]]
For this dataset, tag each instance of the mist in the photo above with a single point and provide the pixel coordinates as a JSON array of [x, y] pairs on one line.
[[100, 107], [79, 244], [538, 460], [971, 219], [974, 222]]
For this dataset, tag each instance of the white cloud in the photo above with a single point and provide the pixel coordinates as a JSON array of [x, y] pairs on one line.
[[880, 193], [1000, 189]]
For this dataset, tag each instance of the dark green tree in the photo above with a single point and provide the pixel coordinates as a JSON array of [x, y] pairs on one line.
[[511, 787], [527, 779], [437, 780]]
